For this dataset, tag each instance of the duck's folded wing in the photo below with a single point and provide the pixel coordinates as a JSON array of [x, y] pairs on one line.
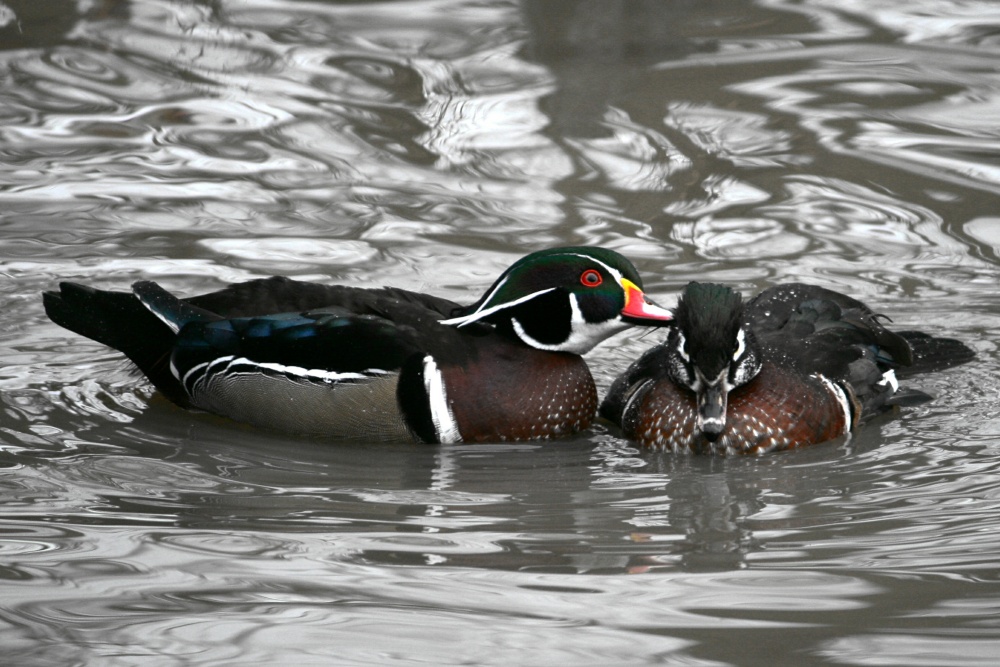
[[327, 373], [326, 345], [628, 390], [817, 330]]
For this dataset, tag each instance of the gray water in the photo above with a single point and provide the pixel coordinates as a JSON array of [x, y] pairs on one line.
[[850, 143]]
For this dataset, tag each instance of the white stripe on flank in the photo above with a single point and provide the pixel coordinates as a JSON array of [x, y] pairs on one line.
[[841, 396], [306, 373], [314, 374], [889, 378], [445, 426], [633, 394], [193, 369]]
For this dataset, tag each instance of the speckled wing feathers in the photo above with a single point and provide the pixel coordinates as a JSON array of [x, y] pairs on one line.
[[817, 330]]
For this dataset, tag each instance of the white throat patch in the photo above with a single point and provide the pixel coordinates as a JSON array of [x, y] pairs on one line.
[[583, 335]]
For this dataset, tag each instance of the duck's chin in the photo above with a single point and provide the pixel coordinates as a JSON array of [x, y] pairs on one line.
[[582, 338]]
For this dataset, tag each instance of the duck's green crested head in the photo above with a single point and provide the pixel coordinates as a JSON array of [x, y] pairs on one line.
[[566, 299]]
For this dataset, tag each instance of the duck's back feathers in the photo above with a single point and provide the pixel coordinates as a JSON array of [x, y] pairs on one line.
[[814, 329], [342, 329], [279, 294]]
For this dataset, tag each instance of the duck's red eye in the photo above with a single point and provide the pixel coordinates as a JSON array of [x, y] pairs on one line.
[[591, 278]]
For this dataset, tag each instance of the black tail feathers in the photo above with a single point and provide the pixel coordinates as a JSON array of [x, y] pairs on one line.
[[118, 320], [933, 354]]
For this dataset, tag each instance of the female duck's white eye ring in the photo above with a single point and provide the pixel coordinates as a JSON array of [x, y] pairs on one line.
[[681, 344], [741, 345]]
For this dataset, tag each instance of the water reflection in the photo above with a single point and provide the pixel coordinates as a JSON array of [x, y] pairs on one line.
[[529, 507]]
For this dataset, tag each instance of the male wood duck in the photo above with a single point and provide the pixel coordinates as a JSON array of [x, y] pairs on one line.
[[379, 364], [797, 365]]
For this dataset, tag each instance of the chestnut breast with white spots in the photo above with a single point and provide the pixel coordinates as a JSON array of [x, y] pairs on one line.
[[776, 410], [513, 393]]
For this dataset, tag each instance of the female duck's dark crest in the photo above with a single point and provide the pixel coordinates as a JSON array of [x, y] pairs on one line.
[[379, 364], [708, 319], [796, 365]]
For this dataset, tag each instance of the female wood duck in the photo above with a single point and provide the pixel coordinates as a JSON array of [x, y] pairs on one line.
[[797, 365], [379, 364]]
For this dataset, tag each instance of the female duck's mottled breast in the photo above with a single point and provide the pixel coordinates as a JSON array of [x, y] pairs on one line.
[[776, 410]]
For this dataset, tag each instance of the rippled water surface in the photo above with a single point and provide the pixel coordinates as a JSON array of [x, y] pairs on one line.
[[850, 143]]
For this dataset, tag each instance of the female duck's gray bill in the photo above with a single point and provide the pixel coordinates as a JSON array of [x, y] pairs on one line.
[[712, 410]]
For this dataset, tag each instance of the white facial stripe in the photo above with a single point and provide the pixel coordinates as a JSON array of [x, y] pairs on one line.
[[523, 335], [576, 322], [741, 345], [610, 269], [445, 426], [503, 282], [481, 313], [489, 296]]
